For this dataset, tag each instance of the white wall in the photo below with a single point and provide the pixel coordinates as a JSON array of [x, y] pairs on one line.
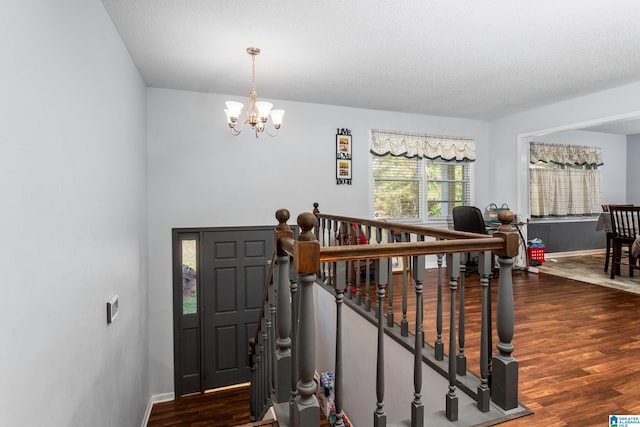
[[201, 175], [73, 186], [633, 171], [508, 170], [614, 155]]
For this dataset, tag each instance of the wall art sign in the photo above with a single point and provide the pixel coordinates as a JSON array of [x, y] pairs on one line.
[[343, 157]]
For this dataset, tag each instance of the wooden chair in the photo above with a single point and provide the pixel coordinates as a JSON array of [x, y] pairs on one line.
[[609, 236], [625, 227]]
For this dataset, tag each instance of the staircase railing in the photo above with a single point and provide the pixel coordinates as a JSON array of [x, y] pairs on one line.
[[338, 251]]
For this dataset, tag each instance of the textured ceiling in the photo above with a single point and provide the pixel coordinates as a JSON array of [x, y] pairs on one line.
[[459, 58]]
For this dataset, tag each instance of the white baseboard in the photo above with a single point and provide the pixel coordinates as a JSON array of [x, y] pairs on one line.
[[574, 253], [156, 398]]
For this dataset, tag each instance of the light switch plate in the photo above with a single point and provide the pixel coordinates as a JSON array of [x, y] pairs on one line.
[[112, 309]]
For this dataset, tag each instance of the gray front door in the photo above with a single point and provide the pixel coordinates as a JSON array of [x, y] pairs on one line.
[[234, 273], [219, 277]]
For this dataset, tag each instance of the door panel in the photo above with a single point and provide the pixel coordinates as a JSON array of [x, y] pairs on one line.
[[234, 273]]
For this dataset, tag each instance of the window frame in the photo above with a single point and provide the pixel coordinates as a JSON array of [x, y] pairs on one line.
[[423, 216]]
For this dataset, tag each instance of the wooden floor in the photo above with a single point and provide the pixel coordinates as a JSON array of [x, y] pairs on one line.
[[578, 347], [221, 408]]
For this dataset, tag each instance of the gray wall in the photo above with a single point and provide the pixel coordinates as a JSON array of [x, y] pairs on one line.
[[567, 236], [633, 169], [73, 185]]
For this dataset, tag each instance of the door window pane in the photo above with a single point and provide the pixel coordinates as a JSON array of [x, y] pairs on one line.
[[189, 269]]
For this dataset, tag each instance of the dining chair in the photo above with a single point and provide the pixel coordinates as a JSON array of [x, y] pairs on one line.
[[625, 228], [609, 236]]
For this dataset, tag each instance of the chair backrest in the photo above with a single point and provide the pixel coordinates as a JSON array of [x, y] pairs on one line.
[[625, 221], [607, 208], [469, 219]]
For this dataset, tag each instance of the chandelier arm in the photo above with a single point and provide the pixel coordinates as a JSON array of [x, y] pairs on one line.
[[271, 134], [235, 129]]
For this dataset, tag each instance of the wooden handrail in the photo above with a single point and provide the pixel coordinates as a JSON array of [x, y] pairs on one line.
[[438, 233], [391, 250]]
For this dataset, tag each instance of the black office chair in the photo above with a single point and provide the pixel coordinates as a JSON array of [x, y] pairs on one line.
[[470, 219]]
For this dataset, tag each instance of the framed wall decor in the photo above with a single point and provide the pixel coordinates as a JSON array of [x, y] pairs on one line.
[[343, 167], [343, 157]]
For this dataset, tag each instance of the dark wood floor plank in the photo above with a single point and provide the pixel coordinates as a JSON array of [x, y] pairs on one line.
[[578, 346]]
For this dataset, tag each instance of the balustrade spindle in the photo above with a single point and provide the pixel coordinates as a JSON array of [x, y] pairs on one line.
[[283, 343], [357, 279], [504, 367], [266, 357], [461, 362], [417, 408], [258, 384], [382, 279], [438, 346], [262, 369], [307, 259], [338, 387], [453, 268], [253, 410], [484, 393], [349, 263], [337, 242], [367, 272], [322, 240], [295, 304], [378, 312], [404, 323], [390, 322], [316, 212], [326, 241], [329, 265], [271, 337]]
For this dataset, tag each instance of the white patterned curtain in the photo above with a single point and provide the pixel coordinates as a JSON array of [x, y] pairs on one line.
[[563, 190], [384, 142], [565, 154]]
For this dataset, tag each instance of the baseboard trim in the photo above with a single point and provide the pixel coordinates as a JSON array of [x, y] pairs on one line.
[[156, 398], [574, 253]]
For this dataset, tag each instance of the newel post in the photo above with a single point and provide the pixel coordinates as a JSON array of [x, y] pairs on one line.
[[282, 363], [504, 373], [306, 411]]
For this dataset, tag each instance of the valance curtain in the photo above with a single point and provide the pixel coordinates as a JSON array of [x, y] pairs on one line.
[[565, 154], [384, 142]]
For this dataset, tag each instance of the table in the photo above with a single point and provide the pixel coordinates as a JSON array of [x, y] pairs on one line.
[[604, 222]]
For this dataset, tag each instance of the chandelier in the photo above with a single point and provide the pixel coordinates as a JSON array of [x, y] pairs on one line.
[[258, 112]]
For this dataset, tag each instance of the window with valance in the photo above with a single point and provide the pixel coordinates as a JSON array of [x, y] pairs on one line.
[[564, 180], [419, 176]]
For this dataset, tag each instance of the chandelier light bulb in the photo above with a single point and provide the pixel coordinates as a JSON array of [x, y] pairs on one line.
[[258, 112]]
